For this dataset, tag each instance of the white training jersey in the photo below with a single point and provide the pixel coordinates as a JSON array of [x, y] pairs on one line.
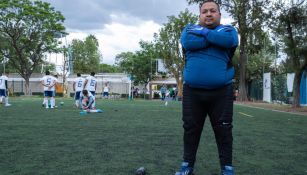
[[106, 89], [3, 78], [91, 83], [48, 80], [79, 83]]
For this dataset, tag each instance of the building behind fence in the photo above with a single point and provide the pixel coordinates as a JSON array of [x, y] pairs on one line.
[[117, 82], [119, 85]]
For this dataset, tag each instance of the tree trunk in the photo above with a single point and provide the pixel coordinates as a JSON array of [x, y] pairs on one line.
[[296, 89], [27, 86], [242, 62]]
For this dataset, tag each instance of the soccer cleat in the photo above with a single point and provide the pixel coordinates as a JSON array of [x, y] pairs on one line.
[[6, 105], [227, 170], [185, 169]]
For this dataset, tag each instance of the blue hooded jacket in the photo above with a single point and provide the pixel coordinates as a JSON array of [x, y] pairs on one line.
[[208, 57]]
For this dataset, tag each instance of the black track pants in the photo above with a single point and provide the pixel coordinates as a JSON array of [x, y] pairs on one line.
[[218, 105]]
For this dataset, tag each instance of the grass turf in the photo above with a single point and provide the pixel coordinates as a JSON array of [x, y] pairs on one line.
[[130, 134]]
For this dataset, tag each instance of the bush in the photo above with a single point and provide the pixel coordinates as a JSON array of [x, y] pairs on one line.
[[60, 94], [124, 95], [142, 96], [72, 94], [18, 93], [156, 95]]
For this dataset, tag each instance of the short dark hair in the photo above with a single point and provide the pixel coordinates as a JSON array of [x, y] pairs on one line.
[[78, 75], [47, 72], [92, 73], [206, 1], [84, 92]]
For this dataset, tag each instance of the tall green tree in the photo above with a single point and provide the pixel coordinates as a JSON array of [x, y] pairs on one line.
[[289, 24], [106, 68], [27, 31], [261, 57], [168, 45], [249, 17], [85, 55], [139, 64]]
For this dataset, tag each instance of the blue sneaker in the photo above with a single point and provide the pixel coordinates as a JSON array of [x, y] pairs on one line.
[[185, 169], [227, 170]]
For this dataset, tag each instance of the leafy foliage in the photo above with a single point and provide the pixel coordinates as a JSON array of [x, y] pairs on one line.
[[105, 68], [85, 55], [168, 44], [140, 64], [27, 31], [290, 25]]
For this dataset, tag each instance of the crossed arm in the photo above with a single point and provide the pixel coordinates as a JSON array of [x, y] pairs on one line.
[[195, 37]]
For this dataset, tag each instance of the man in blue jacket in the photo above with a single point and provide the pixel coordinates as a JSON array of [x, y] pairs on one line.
[[208, 73]]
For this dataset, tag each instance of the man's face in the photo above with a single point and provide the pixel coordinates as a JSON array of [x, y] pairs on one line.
[[209, 15]]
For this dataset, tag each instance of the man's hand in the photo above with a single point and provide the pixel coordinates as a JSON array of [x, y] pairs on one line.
[[198, 30]]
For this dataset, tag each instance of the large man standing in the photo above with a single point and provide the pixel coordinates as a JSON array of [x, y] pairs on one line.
[[4, 89], [209, 47], [48, 83]]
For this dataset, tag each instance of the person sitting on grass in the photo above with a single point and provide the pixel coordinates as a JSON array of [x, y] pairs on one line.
[[87, 100]]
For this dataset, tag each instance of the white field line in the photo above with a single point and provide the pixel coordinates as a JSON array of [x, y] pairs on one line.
[[246, 114], [293, 113]]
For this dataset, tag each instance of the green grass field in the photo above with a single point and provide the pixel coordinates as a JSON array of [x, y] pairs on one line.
[[130, 134]]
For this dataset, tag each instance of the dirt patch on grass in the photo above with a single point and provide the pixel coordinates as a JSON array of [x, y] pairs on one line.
[[279, 107]]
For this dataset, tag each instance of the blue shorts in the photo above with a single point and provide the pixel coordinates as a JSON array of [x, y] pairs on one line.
[[105, 94], [3, 93], [93, 93], [77, 95], [48, 93]]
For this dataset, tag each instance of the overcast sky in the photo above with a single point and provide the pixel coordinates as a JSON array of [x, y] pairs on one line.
[[119, 25]]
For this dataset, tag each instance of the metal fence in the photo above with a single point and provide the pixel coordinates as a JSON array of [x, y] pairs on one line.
[[117, 83], [279, 92]]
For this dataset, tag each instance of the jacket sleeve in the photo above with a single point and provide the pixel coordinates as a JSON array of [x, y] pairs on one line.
[[192, 42], [226, 37]]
